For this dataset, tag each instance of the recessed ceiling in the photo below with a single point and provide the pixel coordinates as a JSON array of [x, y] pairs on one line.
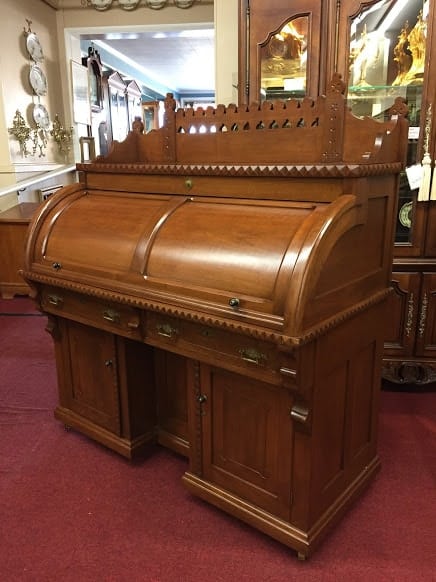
[[181, 59]]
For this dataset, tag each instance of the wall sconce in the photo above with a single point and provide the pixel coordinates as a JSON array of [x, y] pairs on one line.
[[63, 137], [23, 133], [132, 4]]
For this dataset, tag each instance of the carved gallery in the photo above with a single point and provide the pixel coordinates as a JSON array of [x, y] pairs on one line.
[[241, 291]]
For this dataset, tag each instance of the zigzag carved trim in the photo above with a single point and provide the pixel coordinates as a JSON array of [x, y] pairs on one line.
[[279, 339], [306, 171]]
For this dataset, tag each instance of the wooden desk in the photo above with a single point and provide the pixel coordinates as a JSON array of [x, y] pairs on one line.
[[233, 313], [14, 224]]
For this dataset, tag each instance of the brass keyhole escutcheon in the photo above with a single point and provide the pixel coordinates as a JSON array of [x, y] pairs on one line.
[[188, 183]]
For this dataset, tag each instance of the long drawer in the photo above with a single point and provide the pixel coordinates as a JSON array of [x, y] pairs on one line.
[[226, 349], [114, 317]]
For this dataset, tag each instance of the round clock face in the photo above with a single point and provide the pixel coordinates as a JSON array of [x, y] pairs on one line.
[[405, 215], [101, 4], [34, 47], [38, 80], [41, 117]]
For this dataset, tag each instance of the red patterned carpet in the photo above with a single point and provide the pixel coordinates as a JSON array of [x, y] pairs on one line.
[[72, 511]]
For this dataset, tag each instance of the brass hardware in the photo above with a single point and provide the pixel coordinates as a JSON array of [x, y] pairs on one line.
[[423, 316], [202, 398], [108, 363], [234, 302], [56, 266], [166, 330], [207, 333], [55, 300], [253, 356], [188, 183], [62, 136], [288, 372], [23, 133], [409, 320], [299, 413], [111, 315], [133, 324]]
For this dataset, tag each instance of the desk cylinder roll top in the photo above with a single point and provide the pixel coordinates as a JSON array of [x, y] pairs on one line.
[[218, 286]]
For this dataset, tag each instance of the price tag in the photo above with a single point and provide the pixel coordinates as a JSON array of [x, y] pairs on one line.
[[414, 132], [414, 176]]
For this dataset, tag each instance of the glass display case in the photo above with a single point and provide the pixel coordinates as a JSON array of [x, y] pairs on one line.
[[387, 57], [390, 52]]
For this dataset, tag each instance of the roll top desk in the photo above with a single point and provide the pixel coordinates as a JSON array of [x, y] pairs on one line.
[[218, 286]]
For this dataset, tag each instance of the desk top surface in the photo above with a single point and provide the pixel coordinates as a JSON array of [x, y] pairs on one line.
[[22, 212]]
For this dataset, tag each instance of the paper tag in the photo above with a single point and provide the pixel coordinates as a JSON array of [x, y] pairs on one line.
[[414, 132], [414, 176]]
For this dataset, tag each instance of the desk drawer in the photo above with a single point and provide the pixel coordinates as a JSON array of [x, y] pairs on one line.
[[113, 317], [222, 348]]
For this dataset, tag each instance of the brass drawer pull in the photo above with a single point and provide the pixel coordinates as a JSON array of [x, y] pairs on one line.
[[253, 356], [111, 315], [55, 300], [166, 330]]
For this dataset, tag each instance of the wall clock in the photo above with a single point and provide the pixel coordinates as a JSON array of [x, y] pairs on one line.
[[38, 80], [41, 117], [34, 47]]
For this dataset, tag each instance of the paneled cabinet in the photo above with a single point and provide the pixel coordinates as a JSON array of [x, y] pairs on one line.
[[382, 49]]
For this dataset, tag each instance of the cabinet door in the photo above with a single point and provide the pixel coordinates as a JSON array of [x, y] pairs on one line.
[[402, 310], [426, 330], [283, 45], [247, 438], [88, 381]]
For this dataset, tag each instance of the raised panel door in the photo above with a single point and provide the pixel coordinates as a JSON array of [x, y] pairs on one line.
[[402, 310], [246, 438], [426, 328], [89, 384]]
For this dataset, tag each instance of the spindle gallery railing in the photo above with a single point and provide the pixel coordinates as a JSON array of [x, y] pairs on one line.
[[292, 132]]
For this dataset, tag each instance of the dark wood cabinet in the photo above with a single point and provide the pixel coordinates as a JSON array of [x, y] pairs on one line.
[[400, 67], [383, 51]]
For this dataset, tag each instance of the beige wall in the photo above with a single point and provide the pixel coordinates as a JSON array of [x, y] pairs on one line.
[[59, 32], [15, 90]]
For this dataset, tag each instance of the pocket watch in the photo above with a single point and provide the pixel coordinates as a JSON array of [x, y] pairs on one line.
[[34, 47], [38, 80], [41, 117]]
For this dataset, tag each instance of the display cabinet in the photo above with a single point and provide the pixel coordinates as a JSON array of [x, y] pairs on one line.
[[389, 50], [382, 50], [282, 51]]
